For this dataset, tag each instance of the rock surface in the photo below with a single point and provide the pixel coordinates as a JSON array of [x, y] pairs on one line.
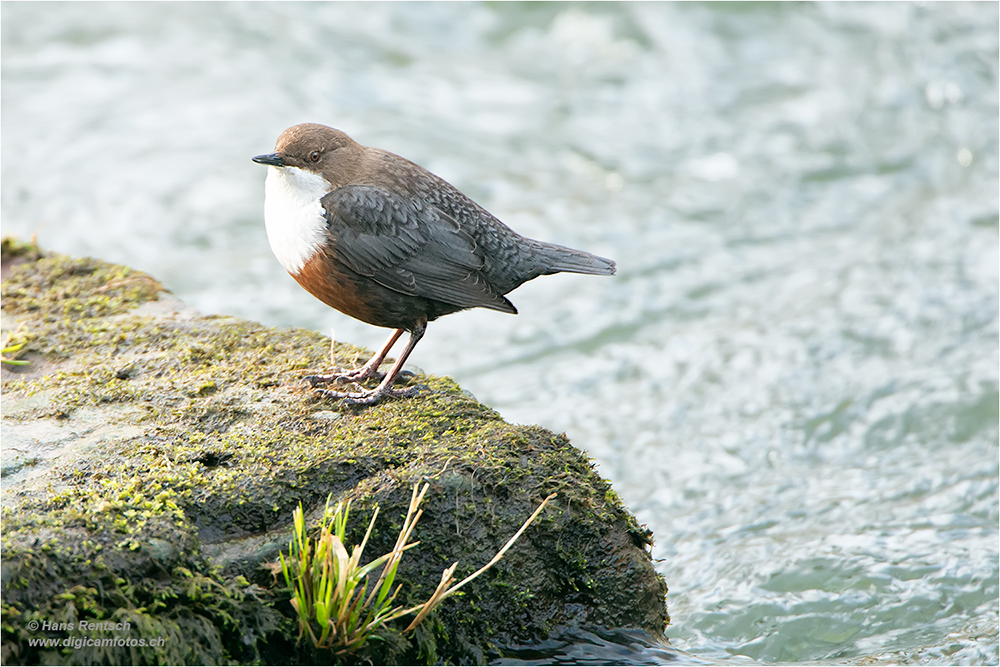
[[152, 457]]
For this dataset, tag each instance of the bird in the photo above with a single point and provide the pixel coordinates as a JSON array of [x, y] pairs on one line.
[[387, 242]]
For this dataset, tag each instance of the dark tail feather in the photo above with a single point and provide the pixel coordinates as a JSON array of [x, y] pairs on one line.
[[576, 261]]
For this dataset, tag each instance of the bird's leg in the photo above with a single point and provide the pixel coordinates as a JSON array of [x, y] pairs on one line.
[[372, 396], [358, 374]]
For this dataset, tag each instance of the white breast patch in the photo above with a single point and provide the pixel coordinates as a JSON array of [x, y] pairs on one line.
[[293, 215]]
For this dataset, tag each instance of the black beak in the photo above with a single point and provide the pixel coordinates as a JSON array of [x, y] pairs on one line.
[[272, 159]]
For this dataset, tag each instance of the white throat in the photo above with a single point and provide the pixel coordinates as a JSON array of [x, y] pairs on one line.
[[293, 215]]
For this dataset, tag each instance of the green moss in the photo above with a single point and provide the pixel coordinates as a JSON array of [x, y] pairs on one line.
[[169, 528], [62, 286], [14, 250]]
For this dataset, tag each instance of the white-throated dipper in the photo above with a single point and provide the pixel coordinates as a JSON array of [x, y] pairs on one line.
[[389, 243]]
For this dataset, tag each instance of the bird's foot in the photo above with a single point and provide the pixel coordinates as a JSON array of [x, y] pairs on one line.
[[349, 376], [368, 396], [344, 376]]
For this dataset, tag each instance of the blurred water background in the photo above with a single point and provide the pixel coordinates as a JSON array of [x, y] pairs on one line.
[[793, 380]]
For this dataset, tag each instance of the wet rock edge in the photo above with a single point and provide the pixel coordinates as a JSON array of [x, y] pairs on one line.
[[203, 438]]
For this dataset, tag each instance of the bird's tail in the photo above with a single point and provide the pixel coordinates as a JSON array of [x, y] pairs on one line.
[[560, 258]]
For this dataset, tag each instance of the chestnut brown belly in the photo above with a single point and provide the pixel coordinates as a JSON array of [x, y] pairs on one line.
[[364, 299]]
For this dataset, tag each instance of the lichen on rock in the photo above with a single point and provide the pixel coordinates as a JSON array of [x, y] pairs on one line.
[[153, 457]]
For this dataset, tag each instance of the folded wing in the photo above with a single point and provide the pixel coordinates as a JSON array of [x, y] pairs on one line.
[[408, 246]]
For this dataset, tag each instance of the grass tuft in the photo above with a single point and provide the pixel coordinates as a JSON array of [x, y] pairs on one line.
[[329, 588]]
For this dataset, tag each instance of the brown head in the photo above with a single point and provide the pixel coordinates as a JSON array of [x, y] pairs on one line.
[[316, 148]]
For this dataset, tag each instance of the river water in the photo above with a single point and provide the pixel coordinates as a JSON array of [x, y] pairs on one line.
[[793, 379]]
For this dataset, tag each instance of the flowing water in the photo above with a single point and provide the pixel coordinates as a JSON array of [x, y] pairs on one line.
[[793, 380]]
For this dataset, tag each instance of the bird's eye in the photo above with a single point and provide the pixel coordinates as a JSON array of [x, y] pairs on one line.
[[314, 156]]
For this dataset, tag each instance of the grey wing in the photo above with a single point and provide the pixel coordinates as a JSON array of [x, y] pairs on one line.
[[408, 246]]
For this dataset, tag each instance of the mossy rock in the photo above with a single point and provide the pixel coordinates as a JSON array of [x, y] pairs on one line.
[[153, 457]]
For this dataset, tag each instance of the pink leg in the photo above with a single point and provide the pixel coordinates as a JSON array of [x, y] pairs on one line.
[[362, 373], [372, 396]]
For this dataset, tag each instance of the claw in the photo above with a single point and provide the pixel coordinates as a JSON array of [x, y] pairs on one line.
[[369, 397], [373, 396], [341, 376], [369, 370]]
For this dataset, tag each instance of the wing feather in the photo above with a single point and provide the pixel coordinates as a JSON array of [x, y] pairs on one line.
[[415, 249]]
